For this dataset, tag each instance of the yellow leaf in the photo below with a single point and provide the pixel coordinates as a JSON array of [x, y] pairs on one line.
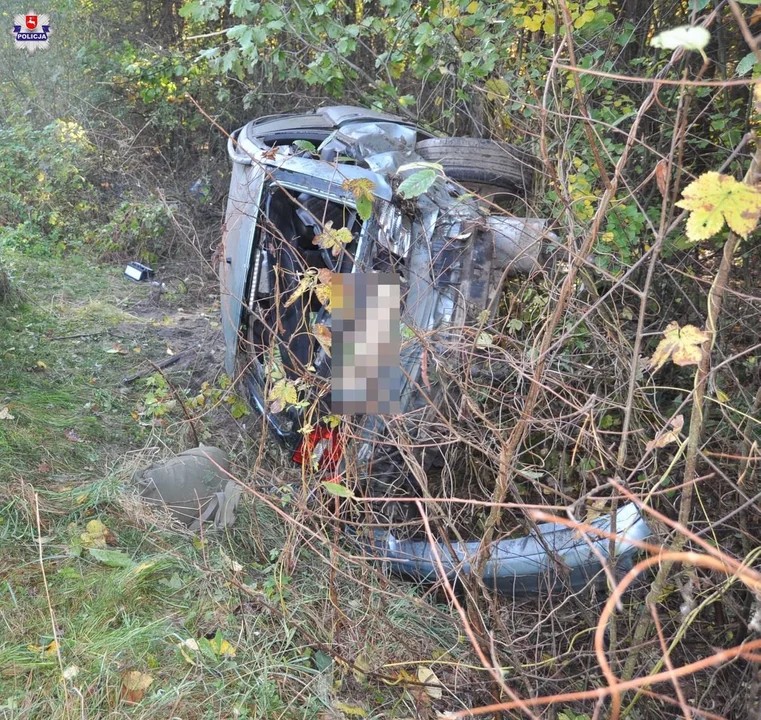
[[305, 284], [586, 17], [333, 240], [532, 24], [669, 436], [325, 287], [596, 509], [681, 345], [360, 188], [473, 7], [51, 649], [721, 396], [41, 365], [350, 710], [221, 647], [432, 684], [713, 199], [95, 534], [332, 421], [283, 393], [324, 337]]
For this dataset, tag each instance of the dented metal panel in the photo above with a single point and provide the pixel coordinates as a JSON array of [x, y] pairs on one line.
[[237, 241], [522, 566]]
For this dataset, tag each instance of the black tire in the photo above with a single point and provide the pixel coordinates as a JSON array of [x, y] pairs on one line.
[[481, 161]]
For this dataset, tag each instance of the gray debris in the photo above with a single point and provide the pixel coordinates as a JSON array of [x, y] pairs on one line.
[[193, 486]]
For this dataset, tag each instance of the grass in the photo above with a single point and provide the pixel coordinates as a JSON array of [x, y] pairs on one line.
[[76, 623]]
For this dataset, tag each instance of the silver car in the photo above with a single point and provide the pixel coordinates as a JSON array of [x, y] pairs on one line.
[[447, 217]]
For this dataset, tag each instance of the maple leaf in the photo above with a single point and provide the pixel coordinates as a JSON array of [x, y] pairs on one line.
[[134, 685], [682, 345], [713, 199], [283, 393], [332, 239], [362, 189], [668, 437]]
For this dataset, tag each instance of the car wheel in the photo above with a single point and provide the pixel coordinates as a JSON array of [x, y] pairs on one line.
[[477, 161]]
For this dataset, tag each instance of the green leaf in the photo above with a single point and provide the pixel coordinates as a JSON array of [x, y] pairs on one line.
[[364, 207], [239, 408], [746, 64], [112, 558], [418, 183], [338, 490], [305, 145]]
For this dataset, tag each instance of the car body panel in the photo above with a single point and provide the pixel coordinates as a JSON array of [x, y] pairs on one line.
[[237, 242]]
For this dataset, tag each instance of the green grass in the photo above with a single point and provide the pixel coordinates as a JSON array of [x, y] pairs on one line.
[[290, 619]]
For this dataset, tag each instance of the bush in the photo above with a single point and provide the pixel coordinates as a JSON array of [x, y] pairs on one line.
[[48, 201]]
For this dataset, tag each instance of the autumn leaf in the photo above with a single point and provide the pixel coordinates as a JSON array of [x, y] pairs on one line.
[[283, 393], [332, 421], [668, 437], [333, 240], [305, 284], [315, 280], [96, 535], [661, 175], [362, 190], [323, 336], [116, 349], [432, 685], [350, 710], [134, 685], [324, 289], [221, 647], [713, 199], [681, 345], [5, 414]]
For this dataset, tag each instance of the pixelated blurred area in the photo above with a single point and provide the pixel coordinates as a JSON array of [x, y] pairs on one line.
[[367, 378]]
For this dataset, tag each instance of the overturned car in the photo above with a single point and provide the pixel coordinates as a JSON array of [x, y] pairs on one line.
[[346, 191]]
